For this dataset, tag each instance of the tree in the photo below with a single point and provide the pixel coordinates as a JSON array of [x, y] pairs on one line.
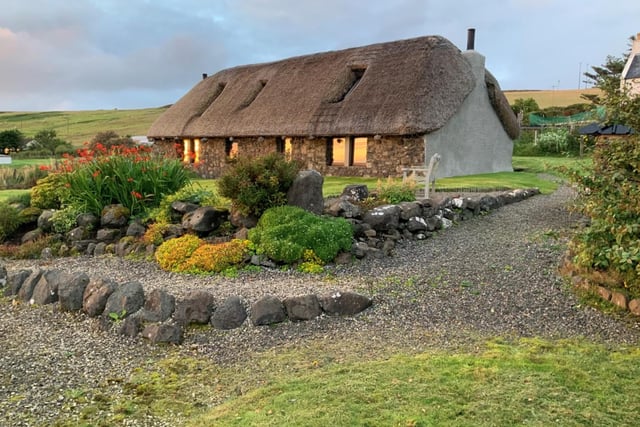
[[11, 140], [48, 140]]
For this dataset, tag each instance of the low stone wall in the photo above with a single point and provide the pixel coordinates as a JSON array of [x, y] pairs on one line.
[[157, 315]]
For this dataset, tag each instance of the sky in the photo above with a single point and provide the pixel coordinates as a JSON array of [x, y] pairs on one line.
[[126, 54]]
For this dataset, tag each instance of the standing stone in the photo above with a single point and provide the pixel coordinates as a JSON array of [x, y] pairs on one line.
[[230, 314], [71, 291], [96, 295], [125, 300], [306, 192], [305, 307], [267, 310], [344, 303], [195, 308]]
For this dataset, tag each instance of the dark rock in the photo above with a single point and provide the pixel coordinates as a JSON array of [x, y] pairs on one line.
[[130, 327], [108, 235], [125, 300], [343, 208], [158, 306], [88, 220], [80, 246], [195, 308], [387, 247], [136, 229], [14, 282], [434, 223], [4, 276], [383, 218], [71, 291], [114, 216], [305, 307], [359, 249], [416, 224], [230, 314], [29, 284], [183, 207], [267, 310], [78, 233], [46, 290], [91, 248], [240, 220], [163, 333], [44, 220], [343, 258], [410, 210], [96, 295], [31, 236], [99, 249], [488, 203], [204, 219], [344, 303], [306, 192], [355, 193], [429, 208]]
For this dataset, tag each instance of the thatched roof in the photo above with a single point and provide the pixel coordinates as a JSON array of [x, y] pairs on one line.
[[398, 88], [501, 106]]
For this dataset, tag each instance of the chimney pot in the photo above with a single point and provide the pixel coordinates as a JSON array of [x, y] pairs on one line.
[[204, 76], [471, 38]]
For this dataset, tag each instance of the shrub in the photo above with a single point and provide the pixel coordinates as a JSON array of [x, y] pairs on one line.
[[64, 220], [50, 192], [9, 221], [394, 192], [155, 233], [256, 184], [109, 139], [29, 250], [216, 258], [174, 254], [20, 199], [284, 233], [190, 194]]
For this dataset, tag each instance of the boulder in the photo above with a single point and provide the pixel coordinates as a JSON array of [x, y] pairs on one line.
[[136, 229], [88, 220], [71, 291], [306, 192], [26, 290], [114, 216], [14, 282], [305, 307], [196, 307], [429, 208], [267, 310], [46, 290], [383, 218], [96, 295], [488, 203], [158, 306], [344, 303], [355, 193], [130, 327], [31, 236], [634, 306], [44, 220], [183, 207], [163, 333], [205, 219], [125, 300], [417, 224], [4, 276], [239, 220], [78, 233], [343, 208], [410, 210], [230, 314], [108, 235]]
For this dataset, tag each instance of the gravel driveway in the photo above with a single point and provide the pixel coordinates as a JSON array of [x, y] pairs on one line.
[[492, 275]]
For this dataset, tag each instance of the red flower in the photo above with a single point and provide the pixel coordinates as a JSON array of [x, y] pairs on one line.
[[96, 173], [44, 168], [136, 195]]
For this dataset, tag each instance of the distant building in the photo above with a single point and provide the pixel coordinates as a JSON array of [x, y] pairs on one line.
[[631, 71], [364, 111]]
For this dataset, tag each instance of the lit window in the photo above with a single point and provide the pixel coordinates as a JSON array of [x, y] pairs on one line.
[[339, 151], [231, 148], [196, 150], [359, 151], [187, 153]]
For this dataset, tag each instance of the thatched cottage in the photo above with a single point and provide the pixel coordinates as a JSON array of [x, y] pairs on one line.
[[631, 70], [365, 111]]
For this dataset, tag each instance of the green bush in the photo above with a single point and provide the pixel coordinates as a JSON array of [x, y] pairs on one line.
[[64, 220], [50, 192], [394, 191], [9, 221], [191, 194], [285, 233], [256, 184]]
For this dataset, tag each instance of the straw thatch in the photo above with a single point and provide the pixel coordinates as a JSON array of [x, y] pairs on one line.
[[501, 106], [406, 87]]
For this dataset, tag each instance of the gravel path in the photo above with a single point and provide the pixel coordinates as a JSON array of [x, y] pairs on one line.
[[492, 275]]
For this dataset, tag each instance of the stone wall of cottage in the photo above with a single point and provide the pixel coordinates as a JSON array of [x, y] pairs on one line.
[[386, 156]]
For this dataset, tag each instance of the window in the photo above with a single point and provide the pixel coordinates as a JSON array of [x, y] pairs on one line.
[[358, 151], [188, 155], [347, 151], [230, 148], [338, 151]]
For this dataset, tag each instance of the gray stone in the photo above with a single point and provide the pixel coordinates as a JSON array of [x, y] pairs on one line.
[[136, 229], [71, 291], [267, 310], [100, 249], [409, 210], [91, 248], [417, 224], [31, 236], [125, 300], [29, 284], [196, 307], [4, 276], [96, 295], [305, 307], [488, 203], [344, 303], [383, 218], [88, 220], [230, 314], [343, 208], [359, 249], [15, 281], [46, 290], [183, 207], [158, 306], [240, 220], [429, 208], [44, 220], [114, 216], [108, 235], [204, 219], [355, 193], [387, 247], [343, 258], [130, 327], [78, 233], [163, 333], [306, 192]]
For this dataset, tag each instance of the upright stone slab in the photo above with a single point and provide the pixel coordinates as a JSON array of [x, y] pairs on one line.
[[15, 281], [306, 192], [158, 306]]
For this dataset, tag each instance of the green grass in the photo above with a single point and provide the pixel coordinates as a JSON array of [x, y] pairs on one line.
[[549, 164], [495, 382], [5, 195], [19, 163], [80, 126]]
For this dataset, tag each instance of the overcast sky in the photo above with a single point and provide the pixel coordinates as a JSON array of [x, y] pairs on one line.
[[105, 54]]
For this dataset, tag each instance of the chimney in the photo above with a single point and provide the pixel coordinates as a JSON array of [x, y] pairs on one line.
[[204, 76], [471, 38]]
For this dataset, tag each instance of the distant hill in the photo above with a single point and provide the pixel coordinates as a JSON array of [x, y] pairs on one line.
[[80, 126], [551, 98]]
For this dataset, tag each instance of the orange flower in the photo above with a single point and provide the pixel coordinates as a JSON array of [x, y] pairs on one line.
[[136, 195], [44, 168], [96, 173]]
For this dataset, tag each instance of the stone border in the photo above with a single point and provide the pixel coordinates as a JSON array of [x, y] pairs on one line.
[[158, 316]]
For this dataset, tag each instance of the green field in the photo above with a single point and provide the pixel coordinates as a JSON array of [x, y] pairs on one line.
[[78, 127]]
